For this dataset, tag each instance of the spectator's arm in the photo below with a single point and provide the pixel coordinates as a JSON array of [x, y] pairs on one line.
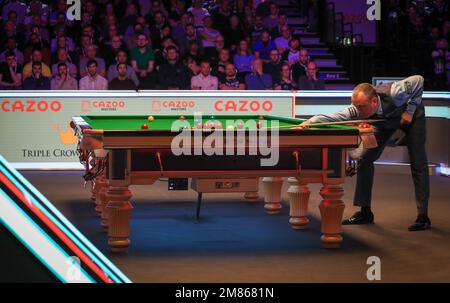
[[17, 78], [194, 84], [6, 84], [150, 66], [135, 66]]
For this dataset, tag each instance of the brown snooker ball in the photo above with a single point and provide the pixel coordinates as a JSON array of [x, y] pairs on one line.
[[182, 118], [144, 126]]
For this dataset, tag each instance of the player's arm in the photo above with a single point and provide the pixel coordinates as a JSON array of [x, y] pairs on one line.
[[346, 114], [408, 91]]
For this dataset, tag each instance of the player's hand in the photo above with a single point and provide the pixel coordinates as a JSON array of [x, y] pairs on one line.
[[406, 118], [303, 125], [364, 125]]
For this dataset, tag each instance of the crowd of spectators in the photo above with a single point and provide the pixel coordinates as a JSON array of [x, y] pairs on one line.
[[422, 28], [159, 44]]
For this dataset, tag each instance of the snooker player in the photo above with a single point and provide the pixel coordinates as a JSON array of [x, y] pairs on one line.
[[400, 105]]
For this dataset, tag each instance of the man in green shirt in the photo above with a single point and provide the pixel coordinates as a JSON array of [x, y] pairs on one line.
[[143, 62]]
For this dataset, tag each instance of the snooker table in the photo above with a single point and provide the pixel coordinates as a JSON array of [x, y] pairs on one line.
[[118, 151]]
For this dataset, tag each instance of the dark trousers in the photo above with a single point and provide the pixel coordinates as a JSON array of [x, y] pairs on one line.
[[415, 141]]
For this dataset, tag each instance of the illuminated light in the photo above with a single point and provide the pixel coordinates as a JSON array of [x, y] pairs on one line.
[[62, 236], [36, 240], [67, 227]]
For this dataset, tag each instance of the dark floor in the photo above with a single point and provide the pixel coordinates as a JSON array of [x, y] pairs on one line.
[[237, 242]]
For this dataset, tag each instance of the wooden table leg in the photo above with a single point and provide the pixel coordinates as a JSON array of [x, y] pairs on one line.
[[251, 196], [102, 196], [298, 193], [119, 214], [94, 195], [331, 210], [272, 194]]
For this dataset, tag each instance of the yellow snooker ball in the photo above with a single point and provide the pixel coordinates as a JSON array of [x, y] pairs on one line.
[[151, 118]]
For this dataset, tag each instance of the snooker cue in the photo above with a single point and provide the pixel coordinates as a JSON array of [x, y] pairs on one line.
[[335, 123]]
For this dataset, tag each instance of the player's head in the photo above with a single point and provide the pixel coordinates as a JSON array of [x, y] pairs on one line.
[[365, 99]]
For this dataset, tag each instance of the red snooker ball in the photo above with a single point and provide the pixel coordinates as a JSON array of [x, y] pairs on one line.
[[259, 124], [240, 125], [144, 126]]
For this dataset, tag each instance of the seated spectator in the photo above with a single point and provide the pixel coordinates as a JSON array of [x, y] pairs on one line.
[[178, 28], [112, 49], [91, 54], [256, 29], [292, 54], [63, 57], [282, 42], [222, 16], [137, 28], [36, 81], [224, 60], [60, 33], [11, 46], [273, 67], [122, 82], [10, 72], [193, 53], [36, 43], [93, 80], [10, 30], [440, 56], [234, 33], [62, 80], [37, 9], [301, 66], [173, 74], [143, 62], [198, 12], [38, 27], [36, 57], [263, 46], [282, 21], [257, 80], [122, 57], [161, 54], [286, 82], [271, 21], [208, 34], [204, 80], [19, 7], [190, 35], [311, 81], [243, 59], [212, 54], [231, 81], [193, 67]]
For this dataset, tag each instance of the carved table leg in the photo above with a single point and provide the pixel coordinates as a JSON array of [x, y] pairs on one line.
[[331, 210], [251, 196], [272, 194], [298, 200], [102, 197], [119, 214]]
